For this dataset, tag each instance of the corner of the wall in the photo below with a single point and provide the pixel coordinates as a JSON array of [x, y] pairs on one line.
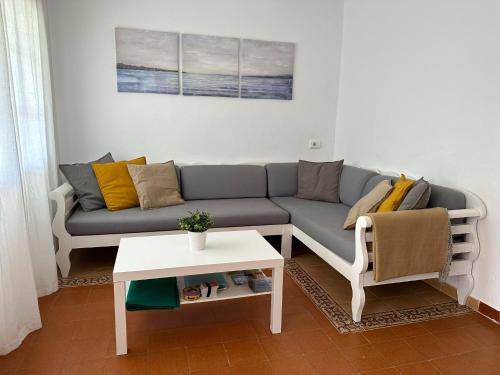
[[339, 81]]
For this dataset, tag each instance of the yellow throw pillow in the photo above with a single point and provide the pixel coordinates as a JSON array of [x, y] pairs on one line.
[[116, 185], [401, 188]]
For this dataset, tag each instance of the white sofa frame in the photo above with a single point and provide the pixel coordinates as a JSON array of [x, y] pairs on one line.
[[465, 253], [65, 202]]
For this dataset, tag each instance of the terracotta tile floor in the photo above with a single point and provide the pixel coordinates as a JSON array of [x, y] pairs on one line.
[[233, 337], [379, 299]]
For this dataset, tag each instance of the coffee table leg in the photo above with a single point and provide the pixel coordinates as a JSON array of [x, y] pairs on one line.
[[120, 318], [276, 300]]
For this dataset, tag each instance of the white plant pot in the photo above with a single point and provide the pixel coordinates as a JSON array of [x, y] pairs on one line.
[[197, 240]]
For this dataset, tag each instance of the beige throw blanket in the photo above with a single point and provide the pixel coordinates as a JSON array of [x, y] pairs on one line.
[[409, 242]]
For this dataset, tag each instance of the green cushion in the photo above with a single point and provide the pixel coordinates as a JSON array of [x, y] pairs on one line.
[[153, 294]]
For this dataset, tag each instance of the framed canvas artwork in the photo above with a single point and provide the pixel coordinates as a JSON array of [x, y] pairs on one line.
[[267, 69], [210, 65], [147, 61]]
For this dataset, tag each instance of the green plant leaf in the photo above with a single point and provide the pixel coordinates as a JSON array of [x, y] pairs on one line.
[[198, 221]]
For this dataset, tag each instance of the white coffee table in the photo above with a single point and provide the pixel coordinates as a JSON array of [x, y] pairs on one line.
[[154, 257]]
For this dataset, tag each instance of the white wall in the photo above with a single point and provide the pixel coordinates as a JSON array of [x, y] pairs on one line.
[[93, 118], [420, 93]]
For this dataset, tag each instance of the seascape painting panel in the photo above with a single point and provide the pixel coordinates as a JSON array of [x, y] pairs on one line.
[[147, 61], [267, 69], [210, 66]]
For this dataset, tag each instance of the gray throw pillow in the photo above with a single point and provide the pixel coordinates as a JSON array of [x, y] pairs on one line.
[[82, 177], [319, 181], [418, 196]]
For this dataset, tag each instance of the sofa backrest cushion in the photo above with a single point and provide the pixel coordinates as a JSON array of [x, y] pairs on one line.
[[282, 182], [440, 196], [373, 181], [352, 182], [178, 173], [223, 181], [446, 197], [282, 179]]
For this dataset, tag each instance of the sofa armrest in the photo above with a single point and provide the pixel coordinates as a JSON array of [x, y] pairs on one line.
[[64, 190], [361, 252], [65, 199], [461, 267], [475, 211]]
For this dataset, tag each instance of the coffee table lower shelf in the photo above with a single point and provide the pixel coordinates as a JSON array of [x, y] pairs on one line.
[[232, 291]]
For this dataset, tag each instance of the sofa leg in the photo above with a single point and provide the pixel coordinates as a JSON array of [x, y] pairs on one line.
[[286, 242], [62, 258], [464, 288], [358, 299]]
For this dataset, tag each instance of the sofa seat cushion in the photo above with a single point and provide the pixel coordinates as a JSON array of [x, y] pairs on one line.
[[227, 213], [323, 222]]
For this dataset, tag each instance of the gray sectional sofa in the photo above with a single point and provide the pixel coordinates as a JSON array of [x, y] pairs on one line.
[[262, 198], [324, 221], [236, 195]]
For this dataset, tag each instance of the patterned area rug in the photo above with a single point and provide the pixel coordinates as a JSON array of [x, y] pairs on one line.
[[90, 267], [342, 320], [68, 282]]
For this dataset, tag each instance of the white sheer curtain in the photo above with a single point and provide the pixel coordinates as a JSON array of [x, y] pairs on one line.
[[27, 170]]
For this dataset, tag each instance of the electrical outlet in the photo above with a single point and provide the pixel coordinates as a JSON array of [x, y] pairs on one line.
[[314, 144]]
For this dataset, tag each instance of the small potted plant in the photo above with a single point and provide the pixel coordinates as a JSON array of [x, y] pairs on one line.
[[196, 224]]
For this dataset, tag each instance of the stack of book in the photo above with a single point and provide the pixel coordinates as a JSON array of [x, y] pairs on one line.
[[256, 280], [259, 282]]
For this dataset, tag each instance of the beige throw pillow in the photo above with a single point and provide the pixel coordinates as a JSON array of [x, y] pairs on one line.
[[156, 184], [369, 203]]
